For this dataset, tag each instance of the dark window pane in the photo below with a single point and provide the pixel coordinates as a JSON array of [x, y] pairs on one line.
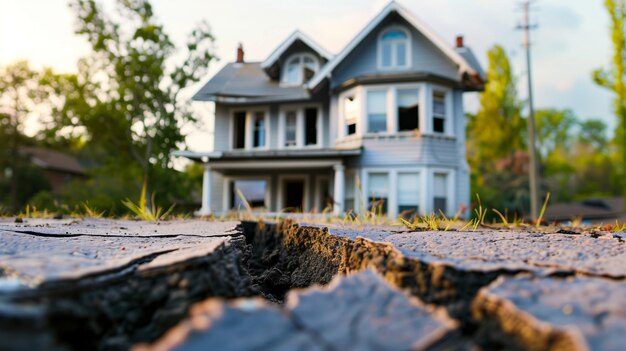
[[253, 192], [259, 130], [408, 212], [439, 125], [440, 204], [408, 118], [310, 115], [239, 132], [378, 205], [351, 128]]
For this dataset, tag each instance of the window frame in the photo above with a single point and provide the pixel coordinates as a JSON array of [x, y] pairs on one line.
[[300, 56], [420, 190], [300, 126], [390, 178], [394, 60], [227, 197], [249, 127], [450, 189], [448, 124]]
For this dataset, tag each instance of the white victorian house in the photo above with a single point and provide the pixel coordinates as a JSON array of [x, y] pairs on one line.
[[381, 121]]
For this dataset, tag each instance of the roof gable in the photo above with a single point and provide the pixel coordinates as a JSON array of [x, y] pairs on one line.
[[392, 7], [291, 40]]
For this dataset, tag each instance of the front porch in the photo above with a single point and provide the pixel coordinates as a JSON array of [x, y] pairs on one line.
[[294, 181]]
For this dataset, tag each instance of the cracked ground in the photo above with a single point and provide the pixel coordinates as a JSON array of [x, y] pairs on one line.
[[195, 285]]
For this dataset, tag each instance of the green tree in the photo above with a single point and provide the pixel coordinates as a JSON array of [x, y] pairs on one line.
[[125, 97], [18, 85], [612, 78], [496, 133], [555, 130]]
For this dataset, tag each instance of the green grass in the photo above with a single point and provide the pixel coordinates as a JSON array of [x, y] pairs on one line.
[[142, 211]]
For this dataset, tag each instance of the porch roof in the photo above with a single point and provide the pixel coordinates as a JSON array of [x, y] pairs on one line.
[[268, 155]]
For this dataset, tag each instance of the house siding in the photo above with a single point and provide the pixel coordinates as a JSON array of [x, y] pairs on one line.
[[221, 134], [425, 57]]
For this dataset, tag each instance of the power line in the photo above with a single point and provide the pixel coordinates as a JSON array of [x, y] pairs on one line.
[[533, 173]]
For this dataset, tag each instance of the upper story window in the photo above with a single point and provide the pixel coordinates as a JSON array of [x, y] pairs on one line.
[[299, 126], [299, 68], [351, 113], [394, 48], [439, 112], [291, 128], [408, 109], [249, 129], [376, 111], [259, 130]]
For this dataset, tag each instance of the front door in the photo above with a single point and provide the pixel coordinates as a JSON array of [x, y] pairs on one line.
[[293, 195]]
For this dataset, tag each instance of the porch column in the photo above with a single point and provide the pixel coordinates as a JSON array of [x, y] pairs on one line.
[[339, 193], [205, 210]]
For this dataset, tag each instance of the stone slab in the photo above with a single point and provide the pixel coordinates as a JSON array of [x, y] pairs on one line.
[[357, 312], [578, 313], [31, 260], [110, 227], [492, 250]]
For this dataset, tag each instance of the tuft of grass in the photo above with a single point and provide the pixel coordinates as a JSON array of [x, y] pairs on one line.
[[619, 227], [543, 210], [141, 210], [32, 212], [480, 212], [91, 212], [503, 218]]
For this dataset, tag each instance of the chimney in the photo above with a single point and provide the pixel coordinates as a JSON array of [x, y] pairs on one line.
[[240, 53], [459, 41]]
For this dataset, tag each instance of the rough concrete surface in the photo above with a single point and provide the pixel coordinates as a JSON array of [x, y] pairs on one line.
[[103, 284], [357, 312]]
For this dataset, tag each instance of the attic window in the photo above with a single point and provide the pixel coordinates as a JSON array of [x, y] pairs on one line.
[[394, 49], [299, 69]]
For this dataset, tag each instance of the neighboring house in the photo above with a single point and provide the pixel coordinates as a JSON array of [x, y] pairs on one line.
[[58, 168], [380, 122]]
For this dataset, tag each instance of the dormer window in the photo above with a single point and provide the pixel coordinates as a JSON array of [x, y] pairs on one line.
[[299, 69], [394, 49]]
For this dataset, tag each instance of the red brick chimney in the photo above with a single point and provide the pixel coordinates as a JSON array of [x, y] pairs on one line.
[[459, 41], [240, 53]]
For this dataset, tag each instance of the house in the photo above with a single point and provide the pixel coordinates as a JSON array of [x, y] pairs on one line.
[[381, 122], [58, 168]]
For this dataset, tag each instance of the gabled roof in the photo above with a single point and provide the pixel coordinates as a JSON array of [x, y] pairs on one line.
[[296, 35], [393, 6]]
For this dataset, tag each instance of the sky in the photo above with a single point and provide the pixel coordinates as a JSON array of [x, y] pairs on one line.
[[572, 39]]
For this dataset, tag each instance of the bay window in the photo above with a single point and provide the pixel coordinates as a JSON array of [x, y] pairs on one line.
[[351, 114], [408, 109], [377, 111], [439, 112]]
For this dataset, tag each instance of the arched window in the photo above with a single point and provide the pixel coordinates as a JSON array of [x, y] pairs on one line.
[[394, 48], [299, 69]]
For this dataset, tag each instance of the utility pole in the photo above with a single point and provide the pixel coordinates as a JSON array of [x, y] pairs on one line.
[[533, 173]]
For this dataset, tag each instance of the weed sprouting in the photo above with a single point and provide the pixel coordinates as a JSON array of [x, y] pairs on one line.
[[142, 211], [543, 210]]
